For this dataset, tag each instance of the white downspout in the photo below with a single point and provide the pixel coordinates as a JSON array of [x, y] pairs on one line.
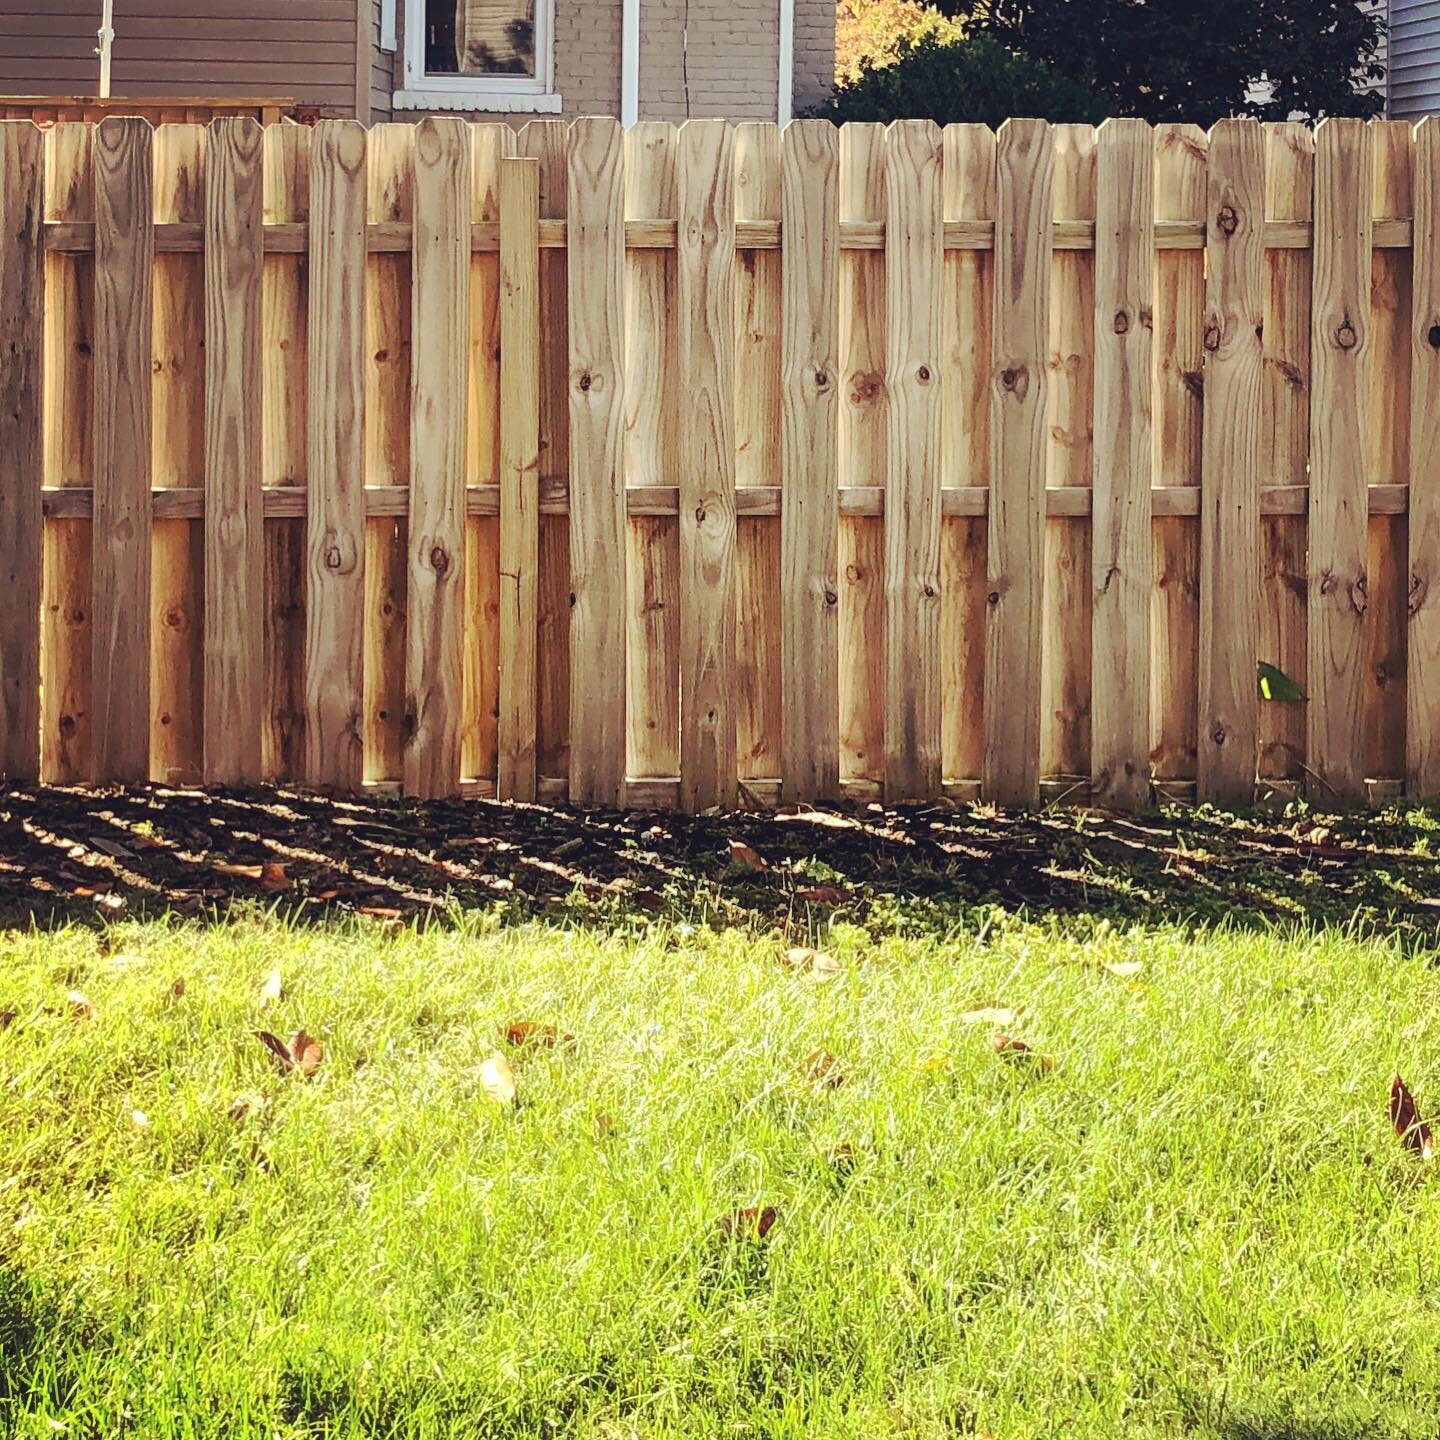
[[107, 39], [785, 89], [629, 63]]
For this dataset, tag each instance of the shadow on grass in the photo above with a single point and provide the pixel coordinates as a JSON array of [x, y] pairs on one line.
[[93, 856]]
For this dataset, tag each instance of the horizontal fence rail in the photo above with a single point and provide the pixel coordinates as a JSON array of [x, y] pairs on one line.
[[708, 464]]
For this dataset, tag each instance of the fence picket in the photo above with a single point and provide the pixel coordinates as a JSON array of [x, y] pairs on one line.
[[914, 274], [969, 174], [22, 314], [233, 651], [809, 648], [596, 214], [705, 298], [519, 474], [124, 268], [1230, 498], [1285, 422], [1024, 232], [1339, 445], [440, 309], [335, 493], [1121, 532], [653, 420], [1422, 736], [284, 385], [67, 618]]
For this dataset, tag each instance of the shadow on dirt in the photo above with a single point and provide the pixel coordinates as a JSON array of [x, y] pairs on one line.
[[95, 856]]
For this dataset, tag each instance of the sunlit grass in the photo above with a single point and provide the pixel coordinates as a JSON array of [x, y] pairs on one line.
[[1198, 1223]]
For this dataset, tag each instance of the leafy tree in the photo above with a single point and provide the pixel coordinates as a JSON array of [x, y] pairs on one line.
[[1198, 60], [875, 29], [972, 78]]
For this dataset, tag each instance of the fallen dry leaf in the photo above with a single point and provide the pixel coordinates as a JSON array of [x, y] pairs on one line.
[[238, 872], [1014, 1049], [751, 1223], [303, 1054], [498, 1079], [242, 1107], [1414, 1133], [273, 878], [8, 1017], [603, 1126], [826, 818], [744, 858], [532, 1032], [991, 1015], [824, 1069], [1123, 969], [822, 895], [139, 1119], [82, 1006], [177, 987], [271, 990], [818, 964]]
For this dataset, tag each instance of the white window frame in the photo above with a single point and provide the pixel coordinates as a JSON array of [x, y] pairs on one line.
[[523, 93]]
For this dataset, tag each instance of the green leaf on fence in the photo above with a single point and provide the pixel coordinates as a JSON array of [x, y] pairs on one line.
[[1276, 685]]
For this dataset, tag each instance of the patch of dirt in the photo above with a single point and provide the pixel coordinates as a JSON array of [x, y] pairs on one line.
[[98, 855]]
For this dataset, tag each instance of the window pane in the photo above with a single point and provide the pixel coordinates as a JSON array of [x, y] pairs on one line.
[[480, 37]]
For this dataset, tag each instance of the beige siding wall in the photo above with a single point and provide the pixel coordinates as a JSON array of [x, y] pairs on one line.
[[382, 68], [301, 49]]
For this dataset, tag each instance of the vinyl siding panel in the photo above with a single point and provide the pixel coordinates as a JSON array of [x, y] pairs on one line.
[[1414, 77], [301, 49]]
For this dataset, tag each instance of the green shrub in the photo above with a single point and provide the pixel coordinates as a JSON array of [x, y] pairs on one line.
[[974, 78]]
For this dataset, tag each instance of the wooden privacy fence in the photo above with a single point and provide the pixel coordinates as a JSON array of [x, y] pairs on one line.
[[659, 463]]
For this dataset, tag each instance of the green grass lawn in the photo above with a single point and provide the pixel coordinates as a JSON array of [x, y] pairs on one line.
[[1197, 1222]]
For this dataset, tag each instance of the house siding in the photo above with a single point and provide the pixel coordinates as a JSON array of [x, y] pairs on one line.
[[301, 49], [1414, 58]]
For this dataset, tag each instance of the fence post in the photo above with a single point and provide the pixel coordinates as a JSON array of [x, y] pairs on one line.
[[22, 316]]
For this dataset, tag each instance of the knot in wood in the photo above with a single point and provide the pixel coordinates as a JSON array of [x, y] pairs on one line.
[[831, 598], [332, 558], [1217, 732], [923, 374], [993, 598], [586, 381], [1121, 322], [1016, 380], [928, 590], [699, 514], [1327, 583], [439, 559], [1212, 337], [1226, 220], [822, 379], [1345, 336], [1419, 588], [1360, 594], [1434, 337]]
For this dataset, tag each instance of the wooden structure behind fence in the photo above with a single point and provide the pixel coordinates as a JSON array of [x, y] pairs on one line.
[[681, 465]]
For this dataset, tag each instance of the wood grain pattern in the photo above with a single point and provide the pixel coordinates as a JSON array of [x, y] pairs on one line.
[[177, 550], [1122, 540], [335, 592], [1024, 230], [545, 141], [1285, 421], [1422, 733], [1388, 460], [234, 648], [652, 457], [389, 384], [1180, 197], [22, 314], [969, 177], [66, 617], [1070, 455], [124, 262], [758, 725], [519, 474], [705, 299], [596, 213], [1230, 498], [440, 309], [1339, 445], [914, 275], [809, 514], [284, 442], [864, 460]]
